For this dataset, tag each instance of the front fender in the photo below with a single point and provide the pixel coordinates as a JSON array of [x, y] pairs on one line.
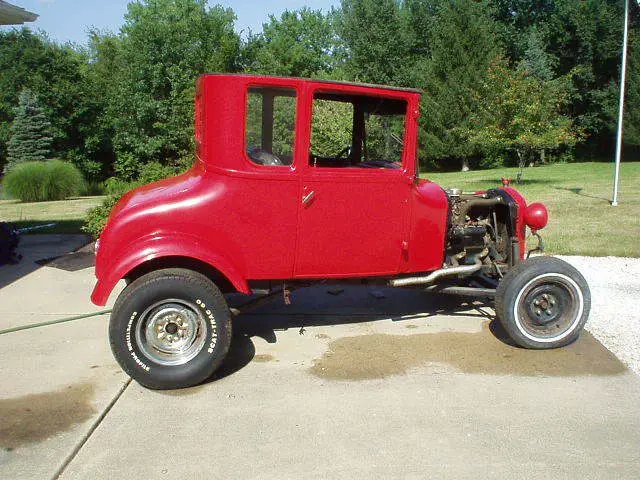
[[151, 248]]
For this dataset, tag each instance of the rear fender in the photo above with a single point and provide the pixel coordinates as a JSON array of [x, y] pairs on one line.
[[174, 245]]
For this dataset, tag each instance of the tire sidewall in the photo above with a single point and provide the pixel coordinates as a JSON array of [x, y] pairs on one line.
[[128, 313], [514, 285]]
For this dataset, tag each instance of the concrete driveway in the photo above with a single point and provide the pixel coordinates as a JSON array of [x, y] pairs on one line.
[[359, 383]]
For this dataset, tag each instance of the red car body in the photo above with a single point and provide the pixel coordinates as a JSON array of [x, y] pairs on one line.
[[248, 222], [269, 207]]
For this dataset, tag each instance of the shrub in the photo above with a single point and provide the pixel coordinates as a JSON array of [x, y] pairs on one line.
[[90, 168], [149, 172], [154, 171], [118, 187], [92, 188], [43, 181], [493, 158], [97, 217]]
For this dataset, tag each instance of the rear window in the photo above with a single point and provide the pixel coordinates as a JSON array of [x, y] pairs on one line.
[[270, 127]]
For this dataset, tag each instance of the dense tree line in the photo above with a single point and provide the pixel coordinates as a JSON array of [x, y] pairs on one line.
[[504, 80]]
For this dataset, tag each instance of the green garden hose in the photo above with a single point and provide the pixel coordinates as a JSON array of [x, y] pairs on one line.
[[53, 322]]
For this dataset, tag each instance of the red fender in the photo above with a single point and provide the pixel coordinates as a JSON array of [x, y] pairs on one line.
[[173, 244]]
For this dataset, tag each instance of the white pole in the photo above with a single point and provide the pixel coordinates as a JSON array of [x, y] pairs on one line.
[[623, 75]]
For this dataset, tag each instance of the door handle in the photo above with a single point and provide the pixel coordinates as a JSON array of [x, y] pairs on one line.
[[307, 198]]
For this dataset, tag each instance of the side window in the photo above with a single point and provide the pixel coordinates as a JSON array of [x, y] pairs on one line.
[[270, 125], [332, 127], [357, 131], [384, 137]]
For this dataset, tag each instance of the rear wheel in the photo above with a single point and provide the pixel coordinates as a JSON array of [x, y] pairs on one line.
[[543, 303], [170, 329]]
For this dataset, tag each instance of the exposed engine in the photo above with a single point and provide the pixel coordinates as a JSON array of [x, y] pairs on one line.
[[482, 241], [481, 229]]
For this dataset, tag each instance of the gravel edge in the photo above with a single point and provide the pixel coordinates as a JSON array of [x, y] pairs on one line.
[[615, 317]]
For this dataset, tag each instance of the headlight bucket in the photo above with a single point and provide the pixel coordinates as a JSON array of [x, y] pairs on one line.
[[536, 216]]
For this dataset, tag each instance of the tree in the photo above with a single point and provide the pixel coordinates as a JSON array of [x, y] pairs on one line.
[[583, 40], [462, 46], [55, 74], [94, 152], [516, 18], [300, 43], [522, 114], [586, 39], [30, 133], [165, 45], [375, 40], [331, 127], [632, 100], [536, 60]]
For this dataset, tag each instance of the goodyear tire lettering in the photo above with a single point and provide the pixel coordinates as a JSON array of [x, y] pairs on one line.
[[212, 322]]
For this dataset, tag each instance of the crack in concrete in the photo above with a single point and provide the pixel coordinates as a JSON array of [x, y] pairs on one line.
[[86, 436]]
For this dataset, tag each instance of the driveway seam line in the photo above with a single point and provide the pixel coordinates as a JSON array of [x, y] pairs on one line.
[[92, 429]]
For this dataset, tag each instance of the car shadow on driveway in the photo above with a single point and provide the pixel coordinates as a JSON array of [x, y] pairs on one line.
[[316, 307], [488, 351]]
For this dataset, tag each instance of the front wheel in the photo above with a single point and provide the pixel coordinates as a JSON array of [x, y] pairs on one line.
[[170, 329], [543, 303]]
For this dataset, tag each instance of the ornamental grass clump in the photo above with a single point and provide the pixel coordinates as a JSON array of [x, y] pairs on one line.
[[43, 181]]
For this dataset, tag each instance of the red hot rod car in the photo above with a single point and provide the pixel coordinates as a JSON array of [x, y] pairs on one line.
[[300, 181]]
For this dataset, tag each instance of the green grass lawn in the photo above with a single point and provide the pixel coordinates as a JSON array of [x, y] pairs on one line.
[[581, 218], [67, 214]]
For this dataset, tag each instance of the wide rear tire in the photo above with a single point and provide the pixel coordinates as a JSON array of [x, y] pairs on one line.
[[543, 303], [170, 329]]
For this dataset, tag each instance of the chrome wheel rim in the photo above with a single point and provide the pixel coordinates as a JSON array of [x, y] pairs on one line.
[[171, 332]]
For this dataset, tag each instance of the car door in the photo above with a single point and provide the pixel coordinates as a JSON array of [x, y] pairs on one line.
[[355, 183], [351, 222]]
